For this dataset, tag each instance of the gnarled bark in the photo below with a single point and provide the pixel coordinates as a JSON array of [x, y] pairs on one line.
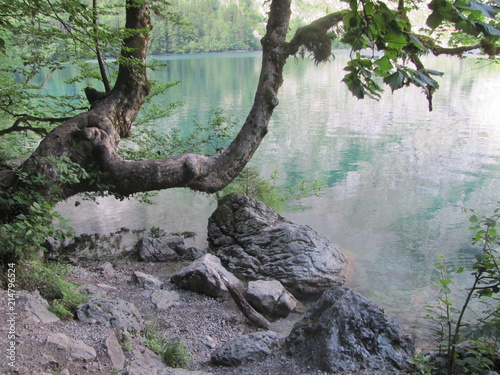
[[90, 139]]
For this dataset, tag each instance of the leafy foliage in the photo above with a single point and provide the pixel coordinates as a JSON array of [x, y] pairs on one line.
[[250, 183], [173, 352], [207, 26], [484, 331], [52, 281], [375, 26], [208, 138], [24, 234]]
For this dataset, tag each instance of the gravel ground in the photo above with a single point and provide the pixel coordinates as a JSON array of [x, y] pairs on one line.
[[200, 322]]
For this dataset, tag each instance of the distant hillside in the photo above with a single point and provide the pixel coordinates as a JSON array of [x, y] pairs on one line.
[[225, 25]]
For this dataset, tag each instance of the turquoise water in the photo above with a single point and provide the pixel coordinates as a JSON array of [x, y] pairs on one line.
[[396, 176]]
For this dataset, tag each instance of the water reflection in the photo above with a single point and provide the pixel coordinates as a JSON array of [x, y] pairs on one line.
[[396, 175]]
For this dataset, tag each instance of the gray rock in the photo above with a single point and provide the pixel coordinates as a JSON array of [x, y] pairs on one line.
[[36, 306], [195, 253], [254, 242], [73, 349], [164, 299], [92, 291], [345, 332], [107, 269], [117, 245], [147, 363], [115, 352], [203, 276], [272, 300], [247, 348], [163, 249], [116, 313], [146, 281]]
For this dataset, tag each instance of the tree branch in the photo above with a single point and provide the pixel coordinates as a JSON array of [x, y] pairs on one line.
[[198, 172], [100, 60], [453, 51], [314, 37], [16, 127], [90, 139]]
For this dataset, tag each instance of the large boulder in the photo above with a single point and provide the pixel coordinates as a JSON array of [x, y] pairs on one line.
[[254, 242], [204, 275], [345, 332]]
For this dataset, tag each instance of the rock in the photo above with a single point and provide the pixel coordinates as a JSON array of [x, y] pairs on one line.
[[208, 342], [92, 290], [203, 276], [272, 300], [247, 348], [147, 363], [115, 246], [36, 306], [116, 313], [254, 242], [164, 299], [162, 249], [195, 253], [74, 349], [107, 269], [345, 332], [115, 352], [146, 281]]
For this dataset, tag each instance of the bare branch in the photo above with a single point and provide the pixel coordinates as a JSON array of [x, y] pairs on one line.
[[17, 127]]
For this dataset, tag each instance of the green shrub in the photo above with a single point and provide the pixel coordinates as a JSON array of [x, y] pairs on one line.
[[267, 191], [52, 281], [173, 352], [26, 214], [250, 183], [482, 333]]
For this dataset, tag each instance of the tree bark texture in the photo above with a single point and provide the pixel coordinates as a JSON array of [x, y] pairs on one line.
[[91, 138]]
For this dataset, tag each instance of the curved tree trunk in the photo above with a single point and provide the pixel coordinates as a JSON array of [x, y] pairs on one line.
[[90, 139]]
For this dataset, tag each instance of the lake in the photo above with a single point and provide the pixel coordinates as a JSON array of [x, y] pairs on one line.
[[396, 176]]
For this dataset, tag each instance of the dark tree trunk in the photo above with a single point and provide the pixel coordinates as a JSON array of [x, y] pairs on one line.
[[90, 139]]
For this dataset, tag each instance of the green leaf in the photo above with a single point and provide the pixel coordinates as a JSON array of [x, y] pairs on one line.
[[487, 29], [368, 8], [426, 79], [434, 20], [395, 80], [416, 41], [384, 63], [485, 9], [445, 282], [433, 72], [473, 219]]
